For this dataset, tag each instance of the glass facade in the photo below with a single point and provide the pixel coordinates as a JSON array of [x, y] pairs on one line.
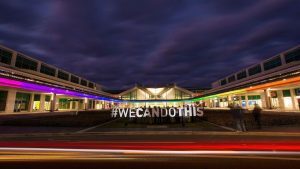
[[241, 75], [181, 95], [36, 102], [130, 96], [254, 97], [64, 104], [63, 75], [286, 93], [231, 79], [297, 92], [272, 63], [83, 82], [90, 104], [3, 98], [74, 79], [223, 82], [91, 85], [22, 102], [254, 70], [47, 102], [24, 63], [292, 56], [47, 70], [5, 56]]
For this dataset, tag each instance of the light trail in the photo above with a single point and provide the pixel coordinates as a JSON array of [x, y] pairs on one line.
[[158, 152], [224, 145]]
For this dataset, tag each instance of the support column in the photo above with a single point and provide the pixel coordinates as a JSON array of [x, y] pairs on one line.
[[13, 59], [31, 102], [294, 99], [76, 105], [53, 102], [85, 104], [267, 99], [280, 99], [10, 101], [71, 105], [42, 103], [39, 66], [240, 100], [247, 101]]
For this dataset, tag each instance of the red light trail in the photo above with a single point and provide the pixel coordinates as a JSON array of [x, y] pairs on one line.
[[165, 145]]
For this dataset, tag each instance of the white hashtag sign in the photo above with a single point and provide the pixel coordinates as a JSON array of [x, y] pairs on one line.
[[114, 112]]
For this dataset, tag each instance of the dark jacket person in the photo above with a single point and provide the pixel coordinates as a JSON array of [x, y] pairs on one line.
[[257, 115]]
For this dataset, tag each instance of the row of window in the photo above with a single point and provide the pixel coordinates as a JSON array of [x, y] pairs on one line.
[[268, 65], [285, 93], [25, 63], [22, 102]]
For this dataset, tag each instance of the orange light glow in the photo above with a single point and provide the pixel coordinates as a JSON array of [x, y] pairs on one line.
[[275, 84]]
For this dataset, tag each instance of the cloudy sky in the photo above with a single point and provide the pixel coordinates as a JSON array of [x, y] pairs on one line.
[[118, 43]]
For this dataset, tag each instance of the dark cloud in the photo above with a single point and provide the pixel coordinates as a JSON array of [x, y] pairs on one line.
[[118, 43]]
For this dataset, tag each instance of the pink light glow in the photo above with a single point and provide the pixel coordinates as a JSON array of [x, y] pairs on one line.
[[41, 88]]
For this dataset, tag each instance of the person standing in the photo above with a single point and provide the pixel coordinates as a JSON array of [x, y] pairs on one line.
[[238, 115], [241, 112], [257, 115]]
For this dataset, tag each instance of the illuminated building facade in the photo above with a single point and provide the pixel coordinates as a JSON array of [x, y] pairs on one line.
[[273, 84], [166, 96], [30, 85]]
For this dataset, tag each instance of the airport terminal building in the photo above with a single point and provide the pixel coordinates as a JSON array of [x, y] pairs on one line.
[[163, 96], [30, 85], [273, 84]]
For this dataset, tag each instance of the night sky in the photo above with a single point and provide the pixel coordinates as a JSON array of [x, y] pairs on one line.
[[118, 43]]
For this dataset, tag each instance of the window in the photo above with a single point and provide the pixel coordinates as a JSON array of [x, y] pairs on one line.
[[241, 75], [286, 93], [25, 63], [63, 75], [83, 82], [3, 97], [22, 102], [273, 94], [37, 97], [223, 82], [91, 85], [297, 92], [179, 95], [5, 56], [36, 102], [64, 103], [231, 79], [130, 96], [90, 104], [47, 70], [74, 79], [272, 63], [292, 56], [47, 98], [254, 70], [254, 97]]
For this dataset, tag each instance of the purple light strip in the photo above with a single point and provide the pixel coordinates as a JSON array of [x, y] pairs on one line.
[[36, 87]]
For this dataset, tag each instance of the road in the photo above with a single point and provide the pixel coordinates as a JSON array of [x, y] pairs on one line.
[[89, 160], [207, 146], [151, 149]]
